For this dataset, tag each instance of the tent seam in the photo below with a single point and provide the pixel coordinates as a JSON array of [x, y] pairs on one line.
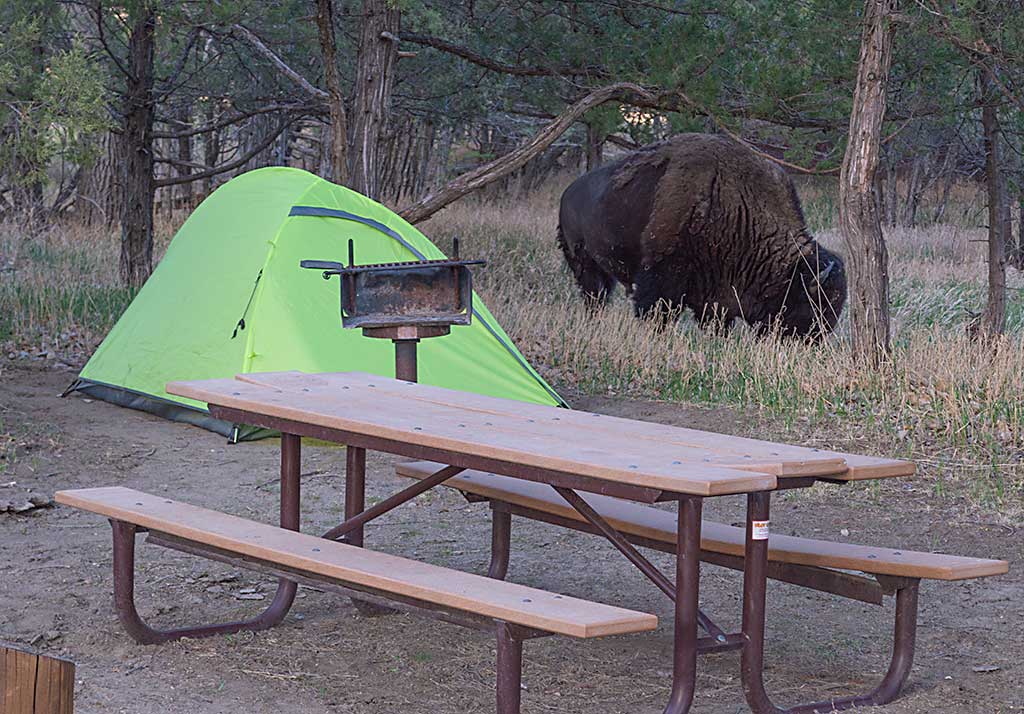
[[250, 339]]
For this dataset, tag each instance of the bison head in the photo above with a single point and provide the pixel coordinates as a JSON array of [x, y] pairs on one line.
[[816, 296]]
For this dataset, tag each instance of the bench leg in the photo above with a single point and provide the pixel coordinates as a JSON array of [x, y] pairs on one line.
[[124, 599], [355, 503], [501, 543], [510, 669], [752, 663], [684, 664], [124, 567]]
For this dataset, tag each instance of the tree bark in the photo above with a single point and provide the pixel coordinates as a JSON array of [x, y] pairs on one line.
[[137, 213], [371, 106], [595, 147], [517, 158], [184, 119], [336, 98], [101, 184], [211, 148], [993, 319], [858, 210]]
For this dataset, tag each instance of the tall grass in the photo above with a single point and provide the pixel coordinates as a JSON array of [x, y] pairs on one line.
[[953, 404]]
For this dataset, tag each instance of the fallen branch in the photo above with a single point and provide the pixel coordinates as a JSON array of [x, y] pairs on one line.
[[519, 157]]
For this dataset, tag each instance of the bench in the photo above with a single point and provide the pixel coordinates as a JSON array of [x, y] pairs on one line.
[[816, 564], [656, 526], [515, 612]]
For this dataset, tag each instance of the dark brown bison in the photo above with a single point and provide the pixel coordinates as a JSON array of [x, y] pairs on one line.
[[701, 221]]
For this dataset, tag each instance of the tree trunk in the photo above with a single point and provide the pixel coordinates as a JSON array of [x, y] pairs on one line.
[[993, 320], [101, 185], [137, 213], [595, 147], [336, 99], [375, 77], [858, 209], [185, 156], [890, 199], [1015, 242], [211, 147], [913, 192]]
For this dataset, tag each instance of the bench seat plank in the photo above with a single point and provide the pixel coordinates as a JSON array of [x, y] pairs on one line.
[[654, 524], [380, 414], [517, 604]]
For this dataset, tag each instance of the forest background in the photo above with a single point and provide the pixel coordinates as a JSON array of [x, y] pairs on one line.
[[902, 122]]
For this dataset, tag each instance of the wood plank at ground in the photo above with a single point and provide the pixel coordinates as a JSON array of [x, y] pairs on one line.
[[54, 686], [35, 684], [382, 415], [428, 583], [723, 450], [659, 525]]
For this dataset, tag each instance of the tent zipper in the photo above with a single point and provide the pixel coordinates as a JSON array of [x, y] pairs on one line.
[[240, 325]]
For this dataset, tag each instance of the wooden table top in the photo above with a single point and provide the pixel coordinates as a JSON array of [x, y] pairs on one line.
[[626, 451]]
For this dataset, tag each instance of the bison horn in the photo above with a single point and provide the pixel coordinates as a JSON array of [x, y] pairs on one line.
[[823, 275]]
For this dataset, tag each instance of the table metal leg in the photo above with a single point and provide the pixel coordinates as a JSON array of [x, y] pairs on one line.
[[355, 503], [510, 669], [355, 490], [684, 666], [501, 544], [124, 567], [752, 661]]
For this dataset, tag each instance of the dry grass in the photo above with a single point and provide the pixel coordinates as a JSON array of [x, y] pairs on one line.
[[945, 400], [953, 404]]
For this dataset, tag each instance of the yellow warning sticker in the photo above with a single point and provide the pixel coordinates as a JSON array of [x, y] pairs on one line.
[[760, 530]]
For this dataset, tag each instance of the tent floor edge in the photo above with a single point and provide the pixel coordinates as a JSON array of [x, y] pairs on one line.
[[159, 407]]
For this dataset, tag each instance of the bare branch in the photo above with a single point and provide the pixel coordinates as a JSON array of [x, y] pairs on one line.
[[502, 67], [233, 119], [231, 166], [517, 158], [282, 67]]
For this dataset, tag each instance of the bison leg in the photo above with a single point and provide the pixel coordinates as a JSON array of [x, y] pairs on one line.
[[595, 284], [650, 298]]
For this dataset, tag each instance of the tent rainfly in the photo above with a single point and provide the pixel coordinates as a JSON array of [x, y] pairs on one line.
[[229, 297]]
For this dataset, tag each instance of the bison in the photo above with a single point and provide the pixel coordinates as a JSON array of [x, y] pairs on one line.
[[700, 221]]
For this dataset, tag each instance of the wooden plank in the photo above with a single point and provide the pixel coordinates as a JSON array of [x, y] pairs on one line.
[[32, 683], [683, 444], [797, 460], [21, 682], [428, 583], [659, 525], [55, 683], [383, 415]]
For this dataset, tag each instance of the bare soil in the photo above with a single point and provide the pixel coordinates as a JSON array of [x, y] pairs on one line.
[[55, 585]]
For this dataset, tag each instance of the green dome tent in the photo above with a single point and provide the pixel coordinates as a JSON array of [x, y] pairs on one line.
[[229, 297]]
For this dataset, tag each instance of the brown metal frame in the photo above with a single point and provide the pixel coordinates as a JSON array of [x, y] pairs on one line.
[[124, 567], [685, 590], [752, 657], [757, 569], [509, 637]]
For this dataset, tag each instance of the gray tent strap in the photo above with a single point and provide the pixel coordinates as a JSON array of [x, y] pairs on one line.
[[390, 232]]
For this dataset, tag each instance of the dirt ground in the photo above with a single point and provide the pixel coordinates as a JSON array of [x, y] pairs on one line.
[[55, 586]]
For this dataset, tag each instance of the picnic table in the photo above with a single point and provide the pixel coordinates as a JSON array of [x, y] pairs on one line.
[[581, 470]]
